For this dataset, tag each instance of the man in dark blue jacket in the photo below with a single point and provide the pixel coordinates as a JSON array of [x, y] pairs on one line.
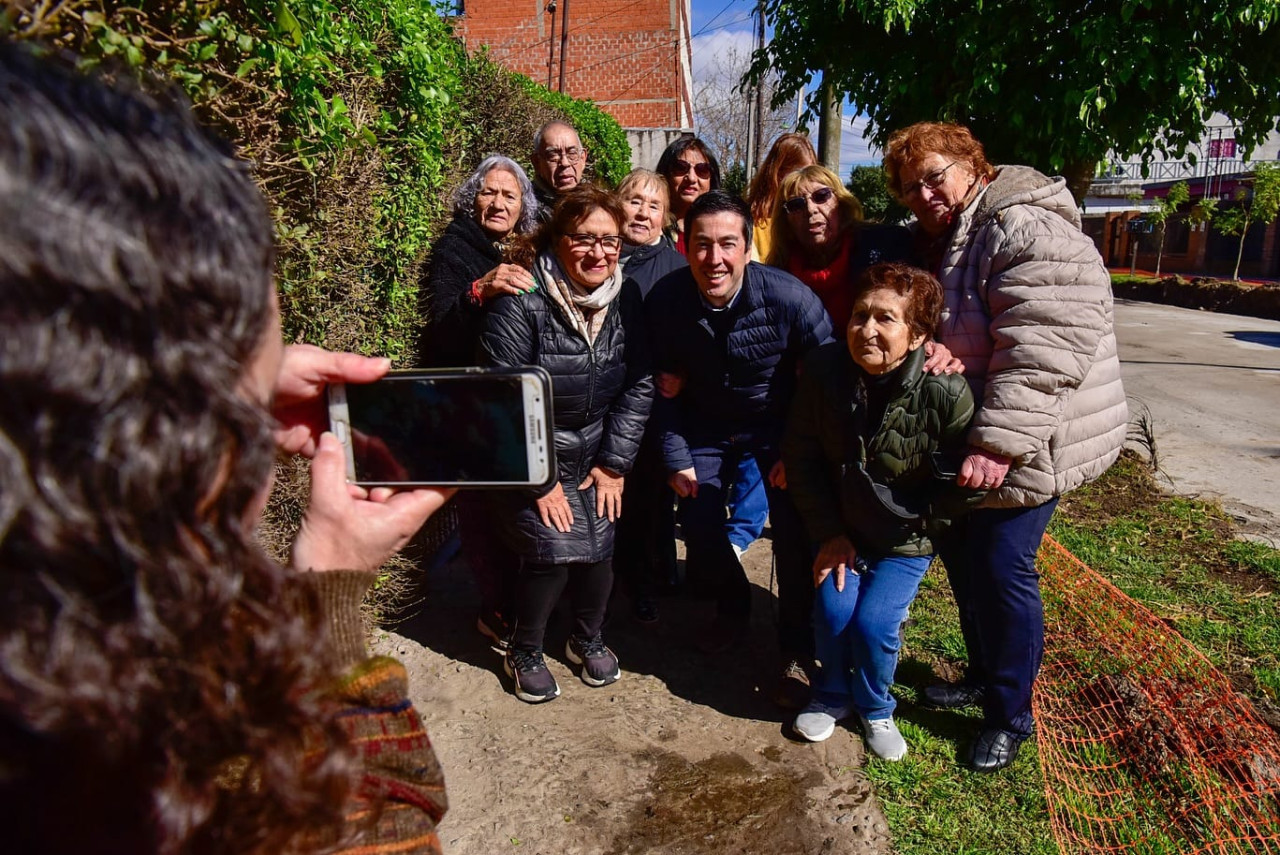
[[734, 331]]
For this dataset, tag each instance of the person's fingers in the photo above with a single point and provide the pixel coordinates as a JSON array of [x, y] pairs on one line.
[[693, 487], [354, 368], [357, 492], [840, 577], [381, 494], [297, 439], [545, 513], [819, 575], [587, 482], [328, 470]]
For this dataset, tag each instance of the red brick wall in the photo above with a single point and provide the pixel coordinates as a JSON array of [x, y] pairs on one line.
[[629, 56]]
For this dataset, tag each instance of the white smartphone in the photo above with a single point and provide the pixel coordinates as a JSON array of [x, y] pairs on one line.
[[452, 427]]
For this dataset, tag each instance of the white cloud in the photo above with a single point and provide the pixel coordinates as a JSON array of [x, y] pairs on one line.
[[710, 48]]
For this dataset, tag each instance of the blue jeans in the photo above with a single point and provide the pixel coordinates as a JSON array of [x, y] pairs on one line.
[[990, 557], [748, 504], [856, 632]]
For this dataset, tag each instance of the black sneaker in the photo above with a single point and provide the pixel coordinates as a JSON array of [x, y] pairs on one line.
[[950, 696], [533, 682], [493, 626], [644, 610], [599, 665]]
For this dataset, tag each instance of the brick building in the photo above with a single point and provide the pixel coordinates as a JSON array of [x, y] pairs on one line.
[[632, 57]]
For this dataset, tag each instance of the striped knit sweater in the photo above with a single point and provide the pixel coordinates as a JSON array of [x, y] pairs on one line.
[[401, 797]]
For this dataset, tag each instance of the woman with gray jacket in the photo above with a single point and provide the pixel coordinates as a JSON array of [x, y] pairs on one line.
[[1028, 309]]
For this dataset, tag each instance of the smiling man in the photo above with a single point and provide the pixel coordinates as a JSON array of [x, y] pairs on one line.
[[734, 331], [559, 160]]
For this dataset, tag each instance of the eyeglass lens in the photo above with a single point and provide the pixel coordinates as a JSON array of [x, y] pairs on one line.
[[563, 155], [610, 243]]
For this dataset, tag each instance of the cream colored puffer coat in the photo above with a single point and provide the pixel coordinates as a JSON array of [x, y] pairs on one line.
[[1029, 310]]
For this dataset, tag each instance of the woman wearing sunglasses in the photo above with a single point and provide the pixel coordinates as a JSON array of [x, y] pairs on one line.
[[788, 153], [691, 170], [819, 237], [582, 323]]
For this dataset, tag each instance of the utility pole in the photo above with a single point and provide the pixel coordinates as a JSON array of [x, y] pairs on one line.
[[759, 116], [551, 43], [564, 41], [829, 126]]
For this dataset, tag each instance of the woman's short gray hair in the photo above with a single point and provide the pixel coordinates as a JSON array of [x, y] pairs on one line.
[[464, 198]]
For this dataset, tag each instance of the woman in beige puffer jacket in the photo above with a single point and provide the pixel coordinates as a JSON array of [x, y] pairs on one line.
[[1028, 309]]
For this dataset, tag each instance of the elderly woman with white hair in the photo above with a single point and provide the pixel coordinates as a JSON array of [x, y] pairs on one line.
[[493, 205]]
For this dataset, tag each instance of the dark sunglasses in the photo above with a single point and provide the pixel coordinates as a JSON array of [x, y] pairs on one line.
[[680, 168], [796, 204]]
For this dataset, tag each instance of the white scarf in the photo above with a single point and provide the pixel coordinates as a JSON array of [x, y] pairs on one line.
[[584, 309]]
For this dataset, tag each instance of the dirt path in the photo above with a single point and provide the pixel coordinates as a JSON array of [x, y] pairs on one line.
[[684, 755]]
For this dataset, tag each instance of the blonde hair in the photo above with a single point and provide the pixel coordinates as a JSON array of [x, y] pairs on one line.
[[783, 242]]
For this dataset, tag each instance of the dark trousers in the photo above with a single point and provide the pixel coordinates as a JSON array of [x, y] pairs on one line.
[[991, 563], [493, 566], [644, 551], [540, 588], [712, 565]]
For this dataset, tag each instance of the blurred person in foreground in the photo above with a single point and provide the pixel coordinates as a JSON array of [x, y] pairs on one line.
[[1027, 307], [866, 448], [166, 687], [584, 324]]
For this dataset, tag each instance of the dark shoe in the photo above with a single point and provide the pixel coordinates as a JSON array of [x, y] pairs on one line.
[[792, 689], [722, 635], [494, 627], [994, 750], [644, 610], [533, 682], [951, 696], [599, 665]]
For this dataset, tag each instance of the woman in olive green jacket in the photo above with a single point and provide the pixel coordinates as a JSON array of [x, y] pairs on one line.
[[869, 452]]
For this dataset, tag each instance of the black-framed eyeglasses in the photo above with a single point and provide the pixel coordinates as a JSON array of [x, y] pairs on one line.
[[933, 181], [796, 204], [585, 243], [680, 168], [562, 155]]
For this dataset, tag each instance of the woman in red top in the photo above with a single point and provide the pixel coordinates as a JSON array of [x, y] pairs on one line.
[[820, 237]]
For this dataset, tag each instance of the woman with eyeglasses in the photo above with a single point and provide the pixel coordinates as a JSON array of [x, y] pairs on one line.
[[1028, 309], [819, 236], [691, 170], [787, 154], [582, 323]]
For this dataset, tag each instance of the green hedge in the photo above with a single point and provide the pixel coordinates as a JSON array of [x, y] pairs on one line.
[[361, 118]]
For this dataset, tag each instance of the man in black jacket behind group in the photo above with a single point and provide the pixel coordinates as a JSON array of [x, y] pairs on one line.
[[734, 331]]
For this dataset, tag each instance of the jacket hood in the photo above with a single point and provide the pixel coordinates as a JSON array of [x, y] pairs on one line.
[[1022, 185]]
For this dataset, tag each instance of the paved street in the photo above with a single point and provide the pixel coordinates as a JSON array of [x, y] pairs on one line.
[[1212, 385]]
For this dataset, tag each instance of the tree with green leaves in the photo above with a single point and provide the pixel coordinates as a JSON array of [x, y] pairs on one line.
[[1178, 195], [1055, 84], [1261, 204], [871, 186]]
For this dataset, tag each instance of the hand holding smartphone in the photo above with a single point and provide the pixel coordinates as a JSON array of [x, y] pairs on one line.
[[463, 427]]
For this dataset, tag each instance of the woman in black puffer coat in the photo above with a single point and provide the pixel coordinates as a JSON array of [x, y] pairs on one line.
[[582, 323]]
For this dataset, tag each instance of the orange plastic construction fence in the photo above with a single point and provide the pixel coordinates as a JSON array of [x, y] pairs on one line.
[[1145, 747]]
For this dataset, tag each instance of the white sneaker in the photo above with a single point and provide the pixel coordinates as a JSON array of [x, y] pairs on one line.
[[817, 721], [884, 739], [739, 551]]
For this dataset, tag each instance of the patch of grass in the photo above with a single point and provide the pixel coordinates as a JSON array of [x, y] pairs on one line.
[[1179, 557]]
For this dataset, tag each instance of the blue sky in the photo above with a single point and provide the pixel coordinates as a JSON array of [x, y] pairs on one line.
[[720, 24]]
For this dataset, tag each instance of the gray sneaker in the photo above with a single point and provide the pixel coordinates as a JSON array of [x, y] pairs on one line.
[[817, 721], [532, 682], [599, 665], [884, 740]]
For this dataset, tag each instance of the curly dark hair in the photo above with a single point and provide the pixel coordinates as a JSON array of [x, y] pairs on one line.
[[922, 290], [669, 156], [158, 676], [571, 208]]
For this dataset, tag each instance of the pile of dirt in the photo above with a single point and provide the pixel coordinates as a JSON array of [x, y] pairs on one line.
[[685, 755], [1214, 295]]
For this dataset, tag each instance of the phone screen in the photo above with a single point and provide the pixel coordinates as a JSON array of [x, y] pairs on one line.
[[469, 428]]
